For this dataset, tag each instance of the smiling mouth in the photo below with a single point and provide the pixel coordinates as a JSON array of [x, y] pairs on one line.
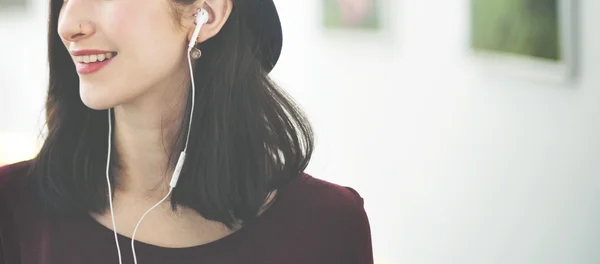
[[86, 59]]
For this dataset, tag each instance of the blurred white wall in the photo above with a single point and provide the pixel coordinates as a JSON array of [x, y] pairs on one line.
[[455, 166], [23, 79]]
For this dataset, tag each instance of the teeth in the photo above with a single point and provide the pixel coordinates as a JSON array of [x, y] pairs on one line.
[[94, 57]]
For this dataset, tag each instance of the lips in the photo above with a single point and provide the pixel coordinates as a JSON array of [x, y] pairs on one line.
[[91, 61]]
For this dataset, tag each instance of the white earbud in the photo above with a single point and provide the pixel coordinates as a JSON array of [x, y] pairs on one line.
[[201, 19]]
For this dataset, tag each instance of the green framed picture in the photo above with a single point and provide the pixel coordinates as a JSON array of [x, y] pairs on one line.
[[536, 33], [351, 14]]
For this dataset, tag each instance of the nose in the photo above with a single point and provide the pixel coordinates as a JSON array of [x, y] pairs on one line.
[[73, 24]]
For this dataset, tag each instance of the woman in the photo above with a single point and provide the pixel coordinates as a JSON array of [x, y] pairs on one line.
[[126, 97]]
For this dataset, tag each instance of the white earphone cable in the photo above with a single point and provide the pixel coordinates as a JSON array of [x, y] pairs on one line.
[[180, 162], [177, 171], [139, 222], [193, 100], [110, 197]]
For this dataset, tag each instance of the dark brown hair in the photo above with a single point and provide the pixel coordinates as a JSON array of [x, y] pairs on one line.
[[247, 139]]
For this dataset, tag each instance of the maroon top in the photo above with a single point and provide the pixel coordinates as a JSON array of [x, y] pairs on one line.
[[311, 222]]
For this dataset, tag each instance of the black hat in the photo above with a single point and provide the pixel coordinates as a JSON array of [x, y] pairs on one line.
[[263, 20]]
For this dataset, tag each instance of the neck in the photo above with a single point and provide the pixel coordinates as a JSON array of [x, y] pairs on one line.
[[147, 139]]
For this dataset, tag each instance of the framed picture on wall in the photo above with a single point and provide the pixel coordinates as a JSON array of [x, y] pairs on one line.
[[352, 14], [531, 38], [13, 5]]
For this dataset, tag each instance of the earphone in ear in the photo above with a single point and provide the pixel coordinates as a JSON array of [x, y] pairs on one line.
[[201, 19]]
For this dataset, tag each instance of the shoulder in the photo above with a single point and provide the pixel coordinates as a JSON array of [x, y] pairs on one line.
[[13, 176], [321, 193], [323, 202], [15, 191], [322, 214], [23, 222]]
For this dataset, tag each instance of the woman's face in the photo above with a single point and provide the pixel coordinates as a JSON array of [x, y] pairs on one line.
[[124, 50]]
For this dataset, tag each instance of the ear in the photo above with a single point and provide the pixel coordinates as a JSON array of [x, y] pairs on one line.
[[218, 11]]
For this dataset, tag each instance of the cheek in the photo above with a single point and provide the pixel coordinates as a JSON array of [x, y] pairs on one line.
[[145, 27], [151, 48], [122, 23]]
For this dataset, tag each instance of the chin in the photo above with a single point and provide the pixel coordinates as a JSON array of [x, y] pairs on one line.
[[97, 98]]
